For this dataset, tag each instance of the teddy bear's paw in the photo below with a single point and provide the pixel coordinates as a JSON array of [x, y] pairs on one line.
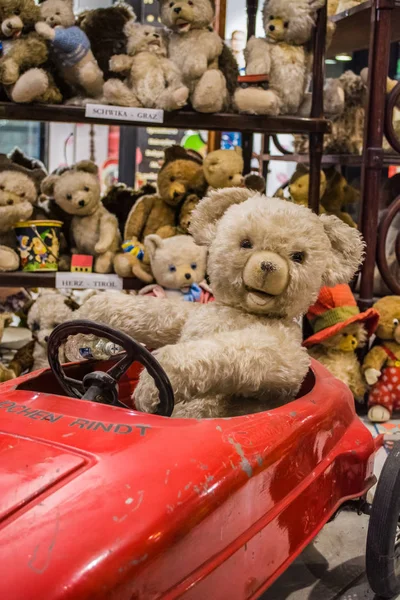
[[146, 396], [45, 31], [30, 86], [210, 93], [372, 376], [91, 79], [378, 414], [179, 98], [9, 72], [9, 260]]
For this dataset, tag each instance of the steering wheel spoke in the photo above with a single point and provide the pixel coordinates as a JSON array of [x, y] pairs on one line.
[[100, 384]]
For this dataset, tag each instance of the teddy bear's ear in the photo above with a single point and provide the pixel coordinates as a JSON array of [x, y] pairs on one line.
[[204, 218], [347, 251], [47, 185], [131, 27], [238, 150], [88, 166], [152, 242]]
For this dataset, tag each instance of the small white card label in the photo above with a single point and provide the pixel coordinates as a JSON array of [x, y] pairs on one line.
[[90, 281], [124, 113]]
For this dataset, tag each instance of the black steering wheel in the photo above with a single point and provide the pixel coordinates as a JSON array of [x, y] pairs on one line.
[[100, 386]]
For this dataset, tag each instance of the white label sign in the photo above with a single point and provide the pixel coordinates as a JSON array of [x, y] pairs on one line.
[[124, 113], [90, 281]]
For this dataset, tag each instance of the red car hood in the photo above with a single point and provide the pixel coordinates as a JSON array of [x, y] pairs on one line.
[[91, 494]]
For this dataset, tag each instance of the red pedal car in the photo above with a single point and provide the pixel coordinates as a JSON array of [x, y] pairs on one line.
[[101, 502]]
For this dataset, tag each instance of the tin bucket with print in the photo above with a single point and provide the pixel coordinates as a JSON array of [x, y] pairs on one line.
[[38, 244]]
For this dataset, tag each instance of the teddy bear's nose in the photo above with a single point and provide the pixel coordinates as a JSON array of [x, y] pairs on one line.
[[271, 27], [177, 10], [81, 203], [268, 267], [187, 275], [46, 339], [176, 194]]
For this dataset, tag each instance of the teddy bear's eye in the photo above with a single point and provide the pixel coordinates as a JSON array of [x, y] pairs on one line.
[[22, 195], [17, 12], [172, 268], [271, 18], [146, 33], [35, 326], [298, 257], [2, 188], [193, 266], [172, 179], [345, 334], [58, 13], [396, 322], [231, 177], [246, 244], [286, 24], [69, 196], [86, 189], [10, 202], [190, 3], [171, 4]]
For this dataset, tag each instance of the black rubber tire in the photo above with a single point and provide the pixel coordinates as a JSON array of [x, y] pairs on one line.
[[381, 560]]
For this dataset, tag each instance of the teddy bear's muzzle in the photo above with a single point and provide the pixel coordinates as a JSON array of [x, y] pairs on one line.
[[12, 26], [265, 276], [396, 334]]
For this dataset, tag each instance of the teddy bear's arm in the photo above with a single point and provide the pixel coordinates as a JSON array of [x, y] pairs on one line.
[[10, 215], [31, 51], [121, 63], [138, 216], [357, 383], [149, 321], [108, 233], [258, 61], [248, 362], [375, 359]]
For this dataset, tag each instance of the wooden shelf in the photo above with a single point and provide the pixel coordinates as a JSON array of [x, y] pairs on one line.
[[48, 280], [349, 160], [180, 119], [353, 29]]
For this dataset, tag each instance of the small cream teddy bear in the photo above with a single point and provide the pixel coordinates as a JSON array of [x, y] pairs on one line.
[[70, 47], [283, 55], [94, 230], [153, 80]]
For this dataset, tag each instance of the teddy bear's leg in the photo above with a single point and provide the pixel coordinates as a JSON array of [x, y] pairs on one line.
[[173, 100], [30, 86], [9, 260], [210, 94], [150, 321], [380, 402], [104, 262], [116, 92], [91, 78], [256, 101], [123, 264], [52, 95], [227, 364]]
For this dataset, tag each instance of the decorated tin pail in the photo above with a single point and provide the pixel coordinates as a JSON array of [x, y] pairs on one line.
[[38, 244]]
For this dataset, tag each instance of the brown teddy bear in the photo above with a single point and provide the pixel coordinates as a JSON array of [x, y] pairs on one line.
[[283, 55], [20, 180], [267, 260], [339, 193], [339, 330], [159, 213], [381, 366], [24, 66], [93, 229], [70, 48], [153, 81], [207, 65]]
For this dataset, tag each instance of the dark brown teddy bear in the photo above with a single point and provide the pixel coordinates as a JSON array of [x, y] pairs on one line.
[[24, 66]]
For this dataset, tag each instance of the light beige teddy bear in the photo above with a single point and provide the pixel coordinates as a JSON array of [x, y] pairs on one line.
[[94, 230], [224, 168], [153, 80], [283, 55], [70, 47], [242, 353], [207, 65], [178, 265]]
